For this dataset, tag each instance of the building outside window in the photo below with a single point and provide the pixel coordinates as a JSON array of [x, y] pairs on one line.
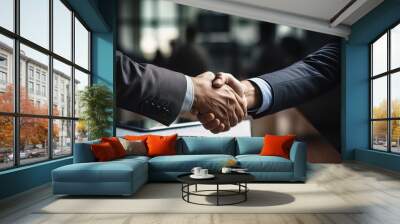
[[55, 129], [385, 91]]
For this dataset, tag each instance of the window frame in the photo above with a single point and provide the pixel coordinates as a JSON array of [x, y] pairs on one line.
[[388, 74], [16, 115]]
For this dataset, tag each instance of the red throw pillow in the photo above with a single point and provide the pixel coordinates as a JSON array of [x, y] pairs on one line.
[[136, 137], [116, 145], [161, 145], [277, 145], [103, 152]]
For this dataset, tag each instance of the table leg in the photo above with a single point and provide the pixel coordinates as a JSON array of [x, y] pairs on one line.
[[195, 188], [188, 189], [217, 194], [245, 193]]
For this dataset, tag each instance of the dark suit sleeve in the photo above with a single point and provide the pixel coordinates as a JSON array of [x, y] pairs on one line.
[[149, 90], [304, 80]]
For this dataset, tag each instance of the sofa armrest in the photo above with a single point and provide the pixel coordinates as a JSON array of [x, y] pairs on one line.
[[83, 152], [298, 155]]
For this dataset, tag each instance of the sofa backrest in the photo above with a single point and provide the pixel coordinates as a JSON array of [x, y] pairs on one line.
[[206, 145], [83, 153], [249, 145]]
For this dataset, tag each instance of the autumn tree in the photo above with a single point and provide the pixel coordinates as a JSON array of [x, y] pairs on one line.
[[33, 131], [380, 127]]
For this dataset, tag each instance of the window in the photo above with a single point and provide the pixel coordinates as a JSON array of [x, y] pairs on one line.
[[62, 74], [30, 87], [3, 78], [30, 72], [6, 73], [40, 129], [81, 45], [38, 74], [37, 89], [34, 22], [7, 14], [43, 90], [3, 61], [385, 94]]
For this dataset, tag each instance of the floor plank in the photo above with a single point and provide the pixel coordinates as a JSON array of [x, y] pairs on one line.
[[377, 190]]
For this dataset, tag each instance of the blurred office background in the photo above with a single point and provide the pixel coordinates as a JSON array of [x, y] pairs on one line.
[[192, 40]]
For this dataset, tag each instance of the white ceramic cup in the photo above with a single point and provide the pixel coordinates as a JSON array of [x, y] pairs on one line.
[[203, 172], [196, 171], [226, 170]]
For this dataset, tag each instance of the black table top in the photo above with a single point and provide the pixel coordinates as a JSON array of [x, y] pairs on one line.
[[220, 178]]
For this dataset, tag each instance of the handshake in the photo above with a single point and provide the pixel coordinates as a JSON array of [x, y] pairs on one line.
[[221, 101]]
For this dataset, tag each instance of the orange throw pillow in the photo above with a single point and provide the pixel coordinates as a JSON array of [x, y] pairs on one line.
[[103, 152], [116, 145], [277, 145], [161, 145], [136, 137]]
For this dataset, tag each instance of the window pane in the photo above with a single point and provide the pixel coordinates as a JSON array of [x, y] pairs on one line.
[[62, 89], [395, 136], [395, 94], [395, 47], [379, 97], [81, 81], [6, 142], [35, 21], [148, 42], [33, 139], [6, 74], [34, 96], [379, 135], [146, 9], [62, 29], [81, 45], [81, 131], [7, 14], [165, 35], [62, 138], [379, 55], [167, 10]]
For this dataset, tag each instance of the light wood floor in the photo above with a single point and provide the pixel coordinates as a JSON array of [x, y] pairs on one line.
[[377, 188]]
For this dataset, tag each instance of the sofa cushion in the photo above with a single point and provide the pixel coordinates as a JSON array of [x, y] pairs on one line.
[[159, 145], [185, 163], [249, 145], [275, 145], [116, 170], [257, 163], [116, 145], [206, 145], [83, 152], [134, 147], [103, 152]]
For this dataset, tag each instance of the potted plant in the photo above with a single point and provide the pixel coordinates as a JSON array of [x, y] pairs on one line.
[[96, 103]]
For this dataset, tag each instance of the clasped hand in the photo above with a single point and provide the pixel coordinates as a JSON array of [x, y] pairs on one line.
[[219, 101]]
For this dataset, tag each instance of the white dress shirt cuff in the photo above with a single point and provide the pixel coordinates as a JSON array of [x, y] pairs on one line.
[[266, 94], [189, 97]]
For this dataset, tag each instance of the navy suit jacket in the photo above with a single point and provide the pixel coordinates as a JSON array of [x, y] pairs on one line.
[[304, 80]]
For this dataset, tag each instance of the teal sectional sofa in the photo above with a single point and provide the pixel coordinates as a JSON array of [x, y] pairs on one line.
[[125, 176]]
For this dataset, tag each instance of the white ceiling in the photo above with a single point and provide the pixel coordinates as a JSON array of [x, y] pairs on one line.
[[321, 9], [314, 15]]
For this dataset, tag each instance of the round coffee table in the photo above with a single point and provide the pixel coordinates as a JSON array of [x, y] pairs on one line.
[[238, 179]]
